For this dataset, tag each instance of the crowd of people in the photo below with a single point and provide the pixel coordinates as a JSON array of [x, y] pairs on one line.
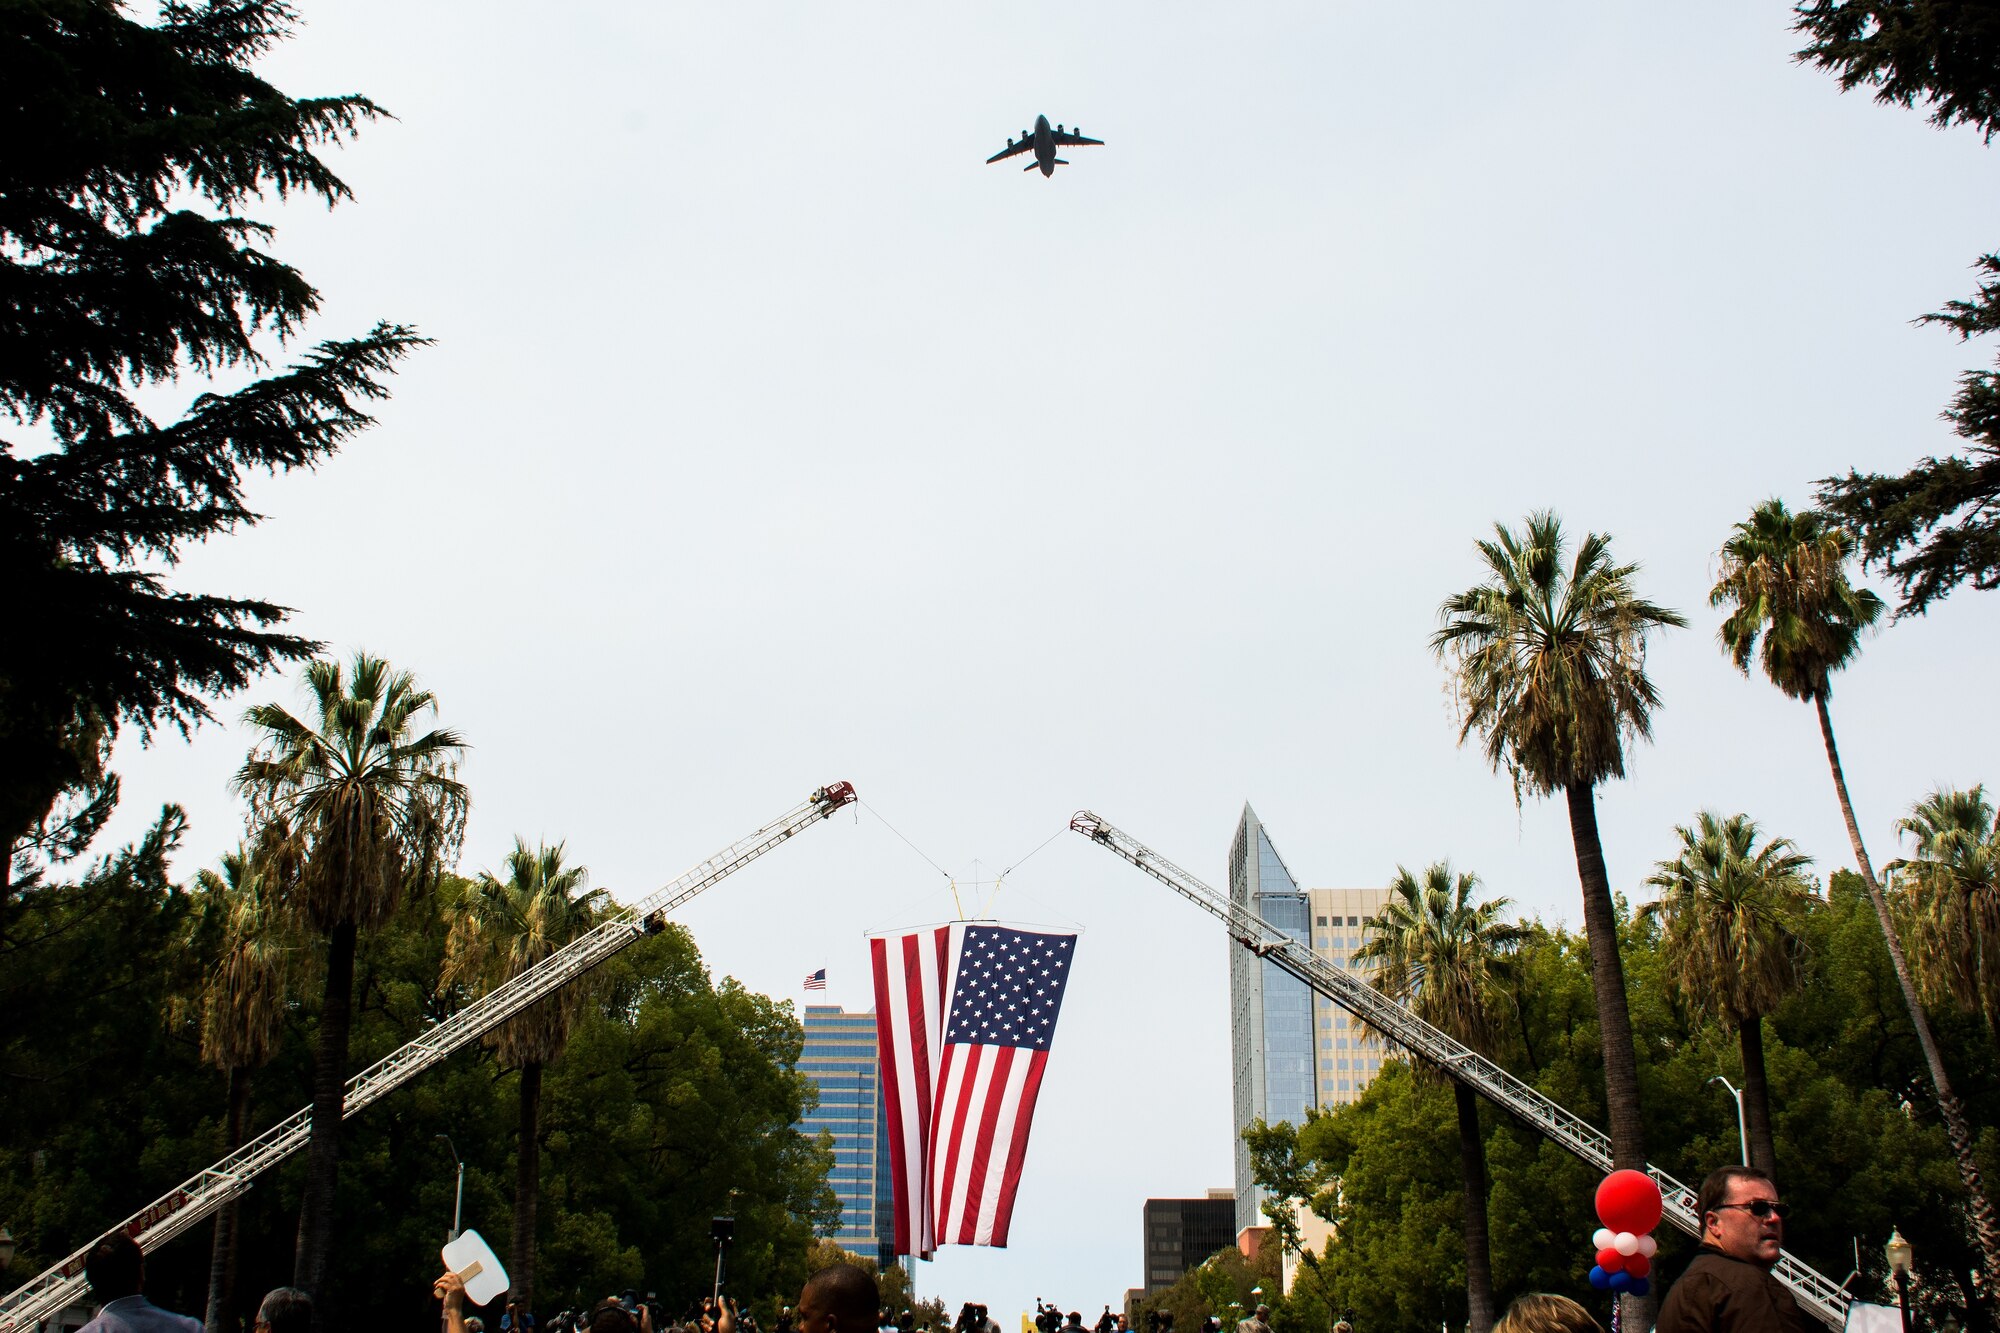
[[1726, 1288]]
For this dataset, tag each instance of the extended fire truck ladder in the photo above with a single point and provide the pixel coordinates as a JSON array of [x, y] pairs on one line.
[[196, 1198], [1815, 1293]]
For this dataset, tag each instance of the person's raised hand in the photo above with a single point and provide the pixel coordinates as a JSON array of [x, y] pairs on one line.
[[451, 1290]]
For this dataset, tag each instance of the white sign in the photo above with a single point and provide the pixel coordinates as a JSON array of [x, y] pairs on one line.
[[484, 1276]]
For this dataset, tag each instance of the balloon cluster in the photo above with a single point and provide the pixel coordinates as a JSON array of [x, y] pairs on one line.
[[1628, 1203]]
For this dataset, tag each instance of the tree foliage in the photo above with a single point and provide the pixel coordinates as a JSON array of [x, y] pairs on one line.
[[1859, 1140], [674, 1101], [1936, 525], [127, 262]]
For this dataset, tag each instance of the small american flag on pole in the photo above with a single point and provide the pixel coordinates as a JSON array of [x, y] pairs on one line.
[[965, 1015], [816, 980]]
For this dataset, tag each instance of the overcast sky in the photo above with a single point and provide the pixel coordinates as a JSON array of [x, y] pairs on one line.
[[771, 438]]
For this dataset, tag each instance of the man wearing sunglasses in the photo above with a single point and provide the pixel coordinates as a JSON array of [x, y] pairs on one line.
[[1728, 1287]]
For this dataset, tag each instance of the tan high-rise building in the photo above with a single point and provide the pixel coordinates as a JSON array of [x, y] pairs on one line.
[[1346, 1057]]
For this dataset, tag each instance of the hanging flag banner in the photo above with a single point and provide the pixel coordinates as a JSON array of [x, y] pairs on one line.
[[964, 1015]]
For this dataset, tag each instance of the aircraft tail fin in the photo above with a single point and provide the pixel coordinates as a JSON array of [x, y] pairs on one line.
[[1062, 161], [1031, 166]]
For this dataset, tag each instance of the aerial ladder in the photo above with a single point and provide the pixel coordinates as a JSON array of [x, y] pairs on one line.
[[1815, 1293], [199, 1196]]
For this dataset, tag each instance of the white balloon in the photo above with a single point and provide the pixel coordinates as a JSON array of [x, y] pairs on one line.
[[1625, 1243], [1648, 1246], [1601, 1238]]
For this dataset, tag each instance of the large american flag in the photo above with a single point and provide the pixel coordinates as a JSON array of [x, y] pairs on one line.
[[965, 1014]]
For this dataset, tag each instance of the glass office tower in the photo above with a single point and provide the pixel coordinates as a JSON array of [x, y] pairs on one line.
[[840, 1058], [1271, 1014], [1291, 1049]]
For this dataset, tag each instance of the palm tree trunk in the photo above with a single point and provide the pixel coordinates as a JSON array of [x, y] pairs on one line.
[[1985, 1228], [1757, 1097], [222, 1257], [1607, 980], [323, 1149], [527, 1185], [1614, 1019], [1478, 1248]]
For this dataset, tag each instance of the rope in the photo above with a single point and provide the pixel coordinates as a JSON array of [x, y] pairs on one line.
[[906, 842]]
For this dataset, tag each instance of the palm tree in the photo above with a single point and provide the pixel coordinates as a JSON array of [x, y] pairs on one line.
[[242, 1004], [1952, 889], [1548, 663], [1730, 913], [1785, 577], [1447, 958], [500, 930], [369, 810]]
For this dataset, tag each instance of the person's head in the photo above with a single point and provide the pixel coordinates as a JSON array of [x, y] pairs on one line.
[[611, 1316], [1539, 1312], [840, 1298], [285, 1310], [474, 1324], [115, 1267], [1263, 1312], [1741, 1215], [1075, 1319]]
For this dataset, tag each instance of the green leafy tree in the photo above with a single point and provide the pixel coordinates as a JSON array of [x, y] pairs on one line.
[[370, 810], [1731, 913], [1784, 578], [501, 928], [129, 263], [1937, 525], [1445, 956], [243, 1003], [1548, 661], [1952, 889]]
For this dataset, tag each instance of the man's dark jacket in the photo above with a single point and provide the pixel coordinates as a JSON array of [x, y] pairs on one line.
[[1718, 1294]]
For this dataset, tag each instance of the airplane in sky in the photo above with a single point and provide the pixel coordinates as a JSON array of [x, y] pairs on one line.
[[1043, 142]]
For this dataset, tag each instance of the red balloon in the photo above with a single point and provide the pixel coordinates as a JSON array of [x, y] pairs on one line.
[[1638, 1265], [1629, 1201], [1611, 1261]]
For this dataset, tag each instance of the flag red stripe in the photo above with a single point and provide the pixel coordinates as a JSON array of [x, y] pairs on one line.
[[920, 1047], [982, 1147], [1017, 1152], [885, 1065], [955, 1126]]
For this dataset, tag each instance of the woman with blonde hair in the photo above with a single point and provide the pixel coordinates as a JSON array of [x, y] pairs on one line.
[[1541, 1312]]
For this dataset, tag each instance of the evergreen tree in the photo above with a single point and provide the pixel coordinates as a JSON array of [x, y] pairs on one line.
[[127, 262], [1938, 524]]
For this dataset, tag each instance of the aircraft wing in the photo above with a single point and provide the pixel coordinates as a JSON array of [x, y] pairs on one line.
[[1025, 146], [1065, 139]]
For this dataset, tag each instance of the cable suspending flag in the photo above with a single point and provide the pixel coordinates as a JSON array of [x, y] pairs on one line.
[[965, 1014]]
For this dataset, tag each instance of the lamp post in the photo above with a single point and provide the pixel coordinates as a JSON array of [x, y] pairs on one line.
[[1742, 1126], [457, 1199], [1898, 1253]]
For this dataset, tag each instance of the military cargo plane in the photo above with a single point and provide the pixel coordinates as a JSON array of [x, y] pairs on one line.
[[1043, 142]]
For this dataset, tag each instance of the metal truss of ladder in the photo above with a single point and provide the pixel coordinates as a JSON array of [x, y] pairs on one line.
[[1816, 1294], [199, 1196]]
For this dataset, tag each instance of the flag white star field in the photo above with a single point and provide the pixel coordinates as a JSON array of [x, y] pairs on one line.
[[965, 1014]]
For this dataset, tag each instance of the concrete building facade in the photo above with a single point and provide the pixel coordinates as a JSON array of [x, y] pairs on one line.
[[840, 1058], [1291, 1050]]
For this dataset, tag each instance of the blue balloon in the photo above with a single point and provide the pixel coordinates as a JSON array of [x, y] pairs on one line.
[[1622, 1281], [1640, 1286], [1599, 1278]]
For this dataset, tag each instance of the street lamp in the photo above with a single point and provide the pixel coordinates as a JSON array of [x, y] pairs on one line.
[[458, 1199], [1898, 1253], [1742, 1126]]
